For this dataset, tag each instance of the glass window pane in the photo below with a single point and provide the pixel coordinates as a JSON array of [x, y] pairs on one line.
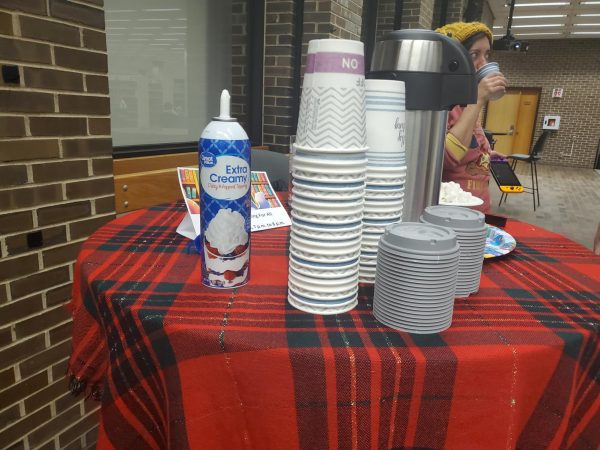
[[167, 64]]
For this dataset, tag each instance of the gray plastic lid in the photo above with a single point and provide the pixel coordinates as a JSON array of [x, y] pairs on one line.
[[419, 237], [455, 217]]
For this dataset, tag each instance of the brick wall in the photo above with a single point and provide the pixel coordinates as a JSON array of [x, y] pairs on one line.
[[56, 187], [454, 12], [346, 18], [321, 20], [278, 75], [417, 14], [385, 18], [571, 64], [239, 63]]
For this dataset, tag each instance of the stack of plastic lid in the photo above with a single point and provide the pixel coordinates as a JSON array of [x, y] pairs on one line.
[[386, 167], [469, 226], [417, 265]]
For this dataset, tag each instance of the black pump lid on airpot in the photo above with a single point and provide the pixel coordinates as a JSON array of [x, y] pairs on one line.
[[437, 70]]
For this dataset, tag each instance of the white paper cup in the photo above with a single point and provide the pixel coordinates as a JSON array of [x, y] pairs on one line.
[[332, 105], [487, 70], [335, 63], [385, 103]]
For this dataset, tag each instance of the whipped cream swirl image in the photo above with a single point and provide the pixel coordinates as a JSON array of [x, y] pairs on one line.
[[226, 231]]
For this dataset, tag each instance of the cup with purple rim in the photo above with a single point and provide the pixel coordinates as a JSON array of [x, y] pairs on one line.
[[332, 105]]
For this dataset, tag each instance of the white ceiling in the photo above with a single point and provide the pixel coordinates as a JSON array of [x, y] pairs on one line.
[[570, 18]]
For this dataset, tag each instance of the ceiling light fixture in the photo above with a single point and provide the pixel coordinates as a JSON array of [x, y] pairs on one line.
[[545, 33], [543, 4], [541, 16], [540, 25]]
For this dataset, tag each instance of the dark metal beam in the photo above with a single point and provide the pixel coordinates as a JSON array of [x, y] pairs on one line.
[[369, 29], [443, 13], [474, 10], [398, 10]]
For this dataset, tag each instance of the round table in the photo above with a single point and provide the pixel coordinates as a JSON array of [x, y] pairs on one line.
[[178, 365]]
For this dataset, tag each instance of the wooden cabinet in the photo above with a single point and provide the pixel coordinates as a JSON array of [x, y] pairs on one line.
[[149, 180]]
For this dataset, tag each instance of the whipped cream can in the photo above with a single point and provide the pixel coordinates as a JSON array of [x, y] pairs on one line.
[[224, 160]]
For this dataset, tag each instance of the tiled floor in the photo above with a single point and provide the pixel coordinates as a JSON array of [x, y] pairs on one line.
[[570, 201]]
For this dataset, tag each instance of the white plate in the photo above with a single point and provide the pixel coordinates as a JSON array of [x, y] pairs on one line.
[[476, 202]]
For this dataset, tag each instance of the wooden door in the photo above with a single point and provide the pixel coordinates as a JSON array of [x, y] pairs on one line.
[[512, 120], [501, 117], [525, 121]]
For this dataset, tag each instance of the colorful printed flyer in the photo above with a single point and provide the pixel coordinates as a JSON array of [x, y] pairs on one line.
[[190, 188], [267, 211]]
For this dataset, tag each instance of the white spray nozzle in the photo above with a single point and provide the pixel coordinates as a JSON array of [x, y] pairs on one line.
[[225, 105]]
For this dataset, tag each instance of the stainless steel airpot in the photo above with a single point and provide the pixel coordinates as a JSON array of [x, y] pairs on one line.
[[438, 74]]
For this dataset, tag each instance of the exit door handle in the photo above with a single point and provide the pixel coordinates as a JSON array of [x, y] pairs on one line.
[[510, 132]]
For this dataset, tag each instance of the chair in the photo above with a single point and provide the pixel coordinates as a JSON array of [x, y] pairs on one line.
[[277, 166], [490, 137], [532, 159]]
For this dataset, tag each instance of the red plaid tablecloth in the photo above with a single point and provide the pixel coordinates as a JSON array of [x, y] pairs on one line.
[[179, 366]]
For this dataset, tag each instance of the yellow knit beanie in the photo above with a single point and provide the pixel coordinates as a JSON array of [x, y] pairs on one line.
[[461, 31]]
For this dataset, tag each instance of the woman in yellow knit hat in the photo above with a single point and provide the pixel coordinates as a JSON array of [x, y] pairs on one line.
[[467, 151]]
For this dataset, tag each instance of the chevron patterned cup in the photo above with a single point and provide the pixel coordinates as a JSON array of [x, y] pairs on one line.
[[332, 106]]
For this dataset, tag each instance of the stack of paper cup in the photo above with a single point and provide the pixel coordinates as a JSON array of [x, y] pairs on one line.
[[469, 226], [386, 167], [328, 179], [417, 265]]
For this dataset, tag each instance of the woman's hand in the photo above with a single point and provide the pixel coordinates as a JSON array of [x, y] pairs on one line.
[[491, 87]]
